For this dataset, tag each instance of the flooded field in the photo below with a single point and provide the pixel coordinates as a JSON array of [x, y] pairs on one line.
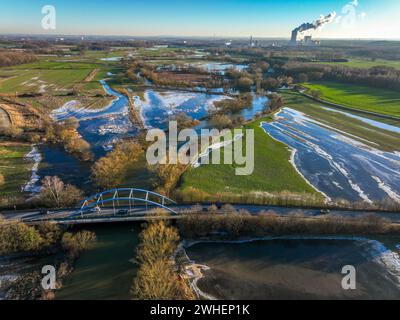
[[340, 166]]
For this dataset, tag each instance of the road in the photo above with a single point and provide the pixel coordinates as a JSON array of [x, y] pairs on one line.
[[140, 214]]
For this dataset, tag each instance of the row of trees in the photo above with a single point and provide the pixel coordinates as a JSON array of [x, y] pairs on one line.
[[13, 58], [158, 275], [233, 223], [379, 76]]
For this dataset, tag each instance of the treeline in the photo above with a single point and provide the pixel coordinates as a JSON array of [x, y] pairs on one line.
[[158, 276], [230, 223], [13, 58], [191, 195], [180, 75], [378, 77], [18, 237], [46, 238]]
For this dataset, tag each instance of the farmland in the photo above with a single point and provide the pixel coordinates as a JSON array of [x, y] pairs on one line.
[[14, 167], [272, 174], [375, 137], [364, 63], [359, 97]]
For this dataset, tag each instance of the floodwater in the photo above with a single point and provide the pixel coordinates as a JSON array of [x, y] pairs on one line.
[[106, 271], [338, 166], [290, 268]]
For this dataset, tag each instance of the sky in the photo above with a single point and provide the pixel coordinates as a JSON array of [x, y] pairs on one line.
[[356, 19]]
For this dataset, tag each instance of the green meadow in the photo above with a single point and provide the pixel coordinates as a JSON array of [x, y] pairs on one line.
[[273, 173], [365, 64], [359, 97], [53, 75], [14, 167]]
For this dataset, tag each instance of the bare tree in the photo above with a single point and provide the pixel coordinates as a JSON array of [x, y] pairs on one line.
[[55, 193]]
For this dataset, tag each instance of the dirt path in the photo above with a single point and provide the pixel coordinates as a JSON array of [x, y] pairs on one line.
[[5, 118], [91, 75]]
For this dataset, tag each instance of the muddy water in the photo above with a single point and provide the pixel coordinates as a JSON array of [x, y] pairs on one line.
[[297, 269], [107, 270]]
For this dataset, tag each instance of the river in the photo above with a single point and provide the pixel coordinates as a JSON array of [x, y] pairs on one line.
[[103, 127], [297, 268], [106, 271]]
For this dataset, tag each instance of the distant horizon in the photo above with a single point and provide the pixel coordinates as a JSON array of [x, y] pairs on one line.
[[352, 19], [219, 37]]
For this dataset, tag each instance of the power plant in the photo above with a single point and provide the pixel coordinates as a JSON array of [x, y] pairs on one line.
[[302, 35]]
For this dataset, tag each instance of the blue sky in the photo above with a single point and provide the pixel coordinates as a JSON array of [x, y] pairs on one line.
[[228, 18]]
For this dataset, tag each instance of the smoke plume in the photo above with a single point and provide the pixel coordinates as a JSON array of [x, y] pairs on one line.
[[323, 20]]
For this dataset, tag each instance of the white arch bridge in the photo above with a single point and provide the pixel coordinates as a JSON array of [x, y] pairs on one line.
[[129, 198]]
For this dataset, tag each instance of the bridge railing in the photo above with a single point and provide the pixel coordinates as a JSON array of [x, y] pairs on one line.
[[131, 196]]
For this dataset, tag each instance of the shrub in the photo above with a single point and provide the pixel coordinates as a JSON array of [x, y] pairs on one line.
[[16, 236], [76, 243]]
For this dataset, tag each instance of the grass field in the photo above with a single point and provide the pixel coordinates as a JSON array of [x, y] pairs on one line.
[[14, 168], [359, 97], [365, 64], [51, 76], [378, 138], [273, 172]]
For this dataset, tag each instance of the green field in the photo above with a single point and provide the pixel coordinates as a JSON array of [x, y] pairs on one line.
[[52, 76], [365, 64], [366, 133], [359, 97], [14, 168], [273, 173]]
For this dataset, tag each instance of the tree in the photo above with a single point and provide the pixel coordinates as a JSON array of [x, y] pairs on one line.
[[184, 121], [157, 277], [244, 83], [110, 171], [276, 102], [77, 243], [270, 84], [17, 236], [316, 94], [221, 121], [302, 77], [54, 193]]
